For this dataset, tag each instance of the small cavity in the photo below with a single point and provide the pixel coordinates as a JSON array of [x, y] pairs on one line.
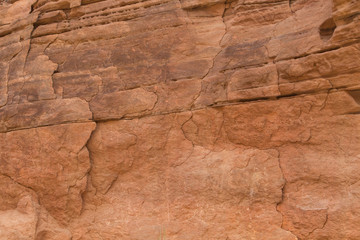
[[327, 29], [355, 94]]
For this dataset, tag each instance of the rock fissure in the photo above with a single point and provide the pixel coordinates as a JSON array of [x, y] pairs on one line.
[[13, 180], [215, 105], [282, 194]]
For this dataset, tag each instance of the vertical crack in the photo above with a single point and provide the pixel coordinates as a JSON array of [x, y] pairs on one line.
[[282, 188], [282, 195], [290, 3], [216, 55], [87, 174], [221, 39]]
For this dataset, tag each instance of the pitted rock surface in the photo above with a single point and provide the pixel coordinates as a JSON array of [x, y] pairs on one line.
[[179, 120]]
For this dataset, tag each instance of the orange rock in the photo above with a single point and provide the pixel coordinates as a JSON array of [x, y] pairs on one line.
[[190, 119]]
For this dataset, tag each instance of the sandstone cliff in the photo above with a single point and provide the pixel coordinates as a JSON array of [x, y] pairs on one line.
[[185, 119]]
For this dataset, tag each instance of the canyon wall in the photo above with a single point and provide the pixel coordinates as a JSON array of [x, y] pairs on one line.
[[180, 119]]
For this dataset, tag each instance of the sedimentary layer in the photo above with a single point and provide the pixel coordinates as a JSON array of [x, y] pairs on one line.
[[187, 119]]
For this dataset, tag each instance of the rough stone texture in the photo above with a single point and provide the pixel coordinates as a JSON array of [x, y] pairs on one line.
[[190, 119]]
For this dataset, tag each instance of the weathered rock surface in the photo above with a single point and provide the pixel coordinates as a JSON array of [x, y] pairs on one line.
[[190, 119]]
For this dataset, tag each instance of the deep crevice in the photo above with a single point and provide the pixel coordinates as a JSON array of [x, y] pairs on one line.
[[88, 177]]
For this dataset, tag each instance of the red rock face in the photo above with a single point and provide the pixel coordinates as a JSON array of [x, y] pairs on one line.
[[190, 119]]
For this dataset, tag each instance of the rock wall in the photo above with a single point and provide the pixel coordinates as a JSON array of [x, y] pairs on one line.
[[180, 119]]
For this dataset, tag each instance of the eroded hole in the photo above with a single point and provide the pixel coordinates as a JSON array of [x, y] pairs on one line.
[[327, 29], [355, 94]]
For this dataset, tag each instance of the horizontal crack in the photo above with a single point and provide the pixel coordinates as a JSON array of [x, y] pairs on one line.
[[215, 105]]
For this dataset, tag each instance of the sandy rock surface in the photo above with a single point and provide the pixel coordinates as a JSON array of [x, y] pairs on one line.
[[181, 120]]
